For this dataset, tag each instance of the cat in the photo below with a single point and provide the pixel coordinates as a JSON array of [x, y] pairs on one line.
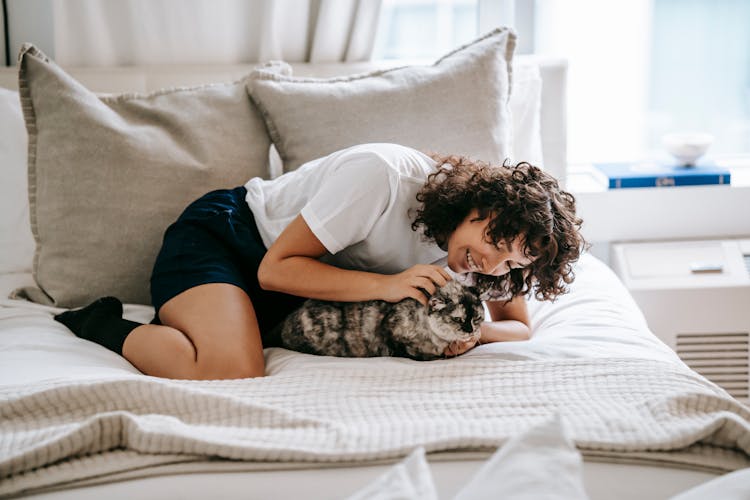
[[378, 328]]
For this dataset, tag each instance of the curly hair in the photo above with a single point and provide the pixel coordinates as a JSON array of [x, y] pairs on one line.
[[521, 201]]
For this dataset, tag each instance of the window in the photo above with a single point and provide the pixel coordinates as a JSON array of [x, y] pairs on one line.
[[637, 69], [700, 72]]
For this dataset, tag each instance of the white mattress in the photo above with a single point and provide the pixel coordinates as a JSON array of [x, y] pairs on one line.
[[597, 320]]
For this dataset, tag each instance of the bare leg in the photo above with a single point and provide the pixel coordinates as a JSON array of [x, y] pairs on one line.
[[207, 332], [147, 346]]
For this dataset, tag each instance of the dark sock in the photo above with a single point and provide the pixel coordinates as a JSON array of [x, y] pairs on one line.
[[100, 322]]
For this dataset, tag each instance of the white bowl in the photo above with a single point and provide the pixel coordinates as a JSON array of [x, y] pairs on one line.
[[687, 147]]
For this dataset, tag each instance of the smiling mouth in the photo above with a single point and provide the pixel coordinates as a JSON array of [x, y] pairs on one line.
[[473, 267]]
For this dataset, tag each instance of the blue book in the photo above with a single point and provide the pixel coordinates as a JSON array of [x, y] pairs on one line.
[[653, 174]]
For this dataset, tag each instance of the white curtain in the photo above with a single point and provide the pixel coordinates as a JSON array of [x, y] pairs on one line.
[[124, 32], [2, 38]]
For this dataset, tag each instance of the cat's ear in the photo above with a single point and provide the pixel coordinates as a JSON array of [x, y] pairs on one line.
[[436, 303]]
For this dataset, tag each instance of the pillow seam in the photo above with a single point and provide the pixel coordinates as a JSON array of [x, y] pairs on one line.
[[29, 114], [128, 96]]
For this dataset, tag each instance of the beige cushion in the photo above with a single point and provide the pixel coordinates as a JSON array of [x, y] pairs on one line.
[[459, 105], [108, 174]]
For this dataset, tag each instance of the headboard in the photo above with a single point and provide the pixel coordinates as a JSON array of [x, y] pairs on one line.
[[553, 72]]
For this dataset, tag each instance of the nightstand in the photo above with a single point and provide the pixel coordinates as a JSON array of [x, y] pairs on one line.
[[695, 295]]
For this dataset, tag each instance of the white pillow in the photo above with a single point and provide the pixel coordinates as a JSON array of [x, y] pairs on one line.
[[16, 241], [526, 114], [410, 478], [458, 105], [732, 486], [542, 462]]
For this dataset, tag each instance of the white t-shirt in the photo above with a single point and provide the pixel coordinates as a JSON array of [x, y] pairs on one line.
[[359, 202]]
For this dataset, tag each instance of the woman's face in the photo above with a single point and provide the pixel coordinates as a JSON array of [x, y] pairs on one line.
[[469, 249]]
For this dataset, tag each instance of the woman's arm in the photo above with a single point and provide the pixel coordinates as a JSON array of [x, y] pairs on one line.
[[291, 266], [510, 321]]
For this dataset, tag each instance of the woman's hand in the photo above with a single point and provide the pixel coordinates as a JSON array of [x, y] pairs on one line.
[[460, 347], [414, 283]]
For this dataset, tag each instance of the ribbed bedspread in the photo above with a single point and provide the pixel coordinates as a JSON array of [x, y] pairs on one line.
[[649, 411]]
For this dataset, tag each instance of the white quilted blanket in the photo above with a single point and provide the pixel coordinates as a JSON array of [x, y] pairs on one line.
[[351, 411]]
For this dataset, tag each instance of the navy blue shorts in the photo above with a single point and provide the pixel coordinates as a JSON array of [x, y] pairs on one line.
[[216, 240]]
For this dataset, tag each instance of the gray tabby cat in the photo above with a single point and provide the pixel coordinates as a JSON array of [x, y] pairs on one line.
[[379, 328]]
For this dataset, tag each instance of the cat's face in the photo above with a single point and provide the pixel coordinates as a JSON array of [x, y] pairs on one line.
[[455, 312]]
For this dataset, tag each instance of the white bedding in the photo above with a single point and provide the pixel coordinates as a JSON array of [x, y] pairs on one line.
[[623, 393], [598, 319]]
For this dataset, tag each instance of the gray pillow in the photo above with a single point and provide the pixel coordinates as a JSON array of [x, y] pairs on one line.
[[108, 174], [459, 105]]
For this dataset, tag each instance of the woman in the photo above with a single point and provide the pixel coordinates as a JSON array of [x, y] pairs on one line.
[[374, 221]]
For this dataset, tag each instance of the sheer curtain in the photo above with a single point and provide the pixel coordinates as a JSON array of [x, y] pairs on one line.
[[123, 32], [4, 49]]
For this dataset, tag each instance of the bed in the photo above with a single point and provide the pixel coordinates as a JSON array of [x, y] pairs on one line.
[[80, 422]]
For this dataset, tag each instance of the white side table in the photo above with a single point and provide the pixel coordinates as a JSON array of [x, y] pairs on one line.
[[695, 296], [655, 214]]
